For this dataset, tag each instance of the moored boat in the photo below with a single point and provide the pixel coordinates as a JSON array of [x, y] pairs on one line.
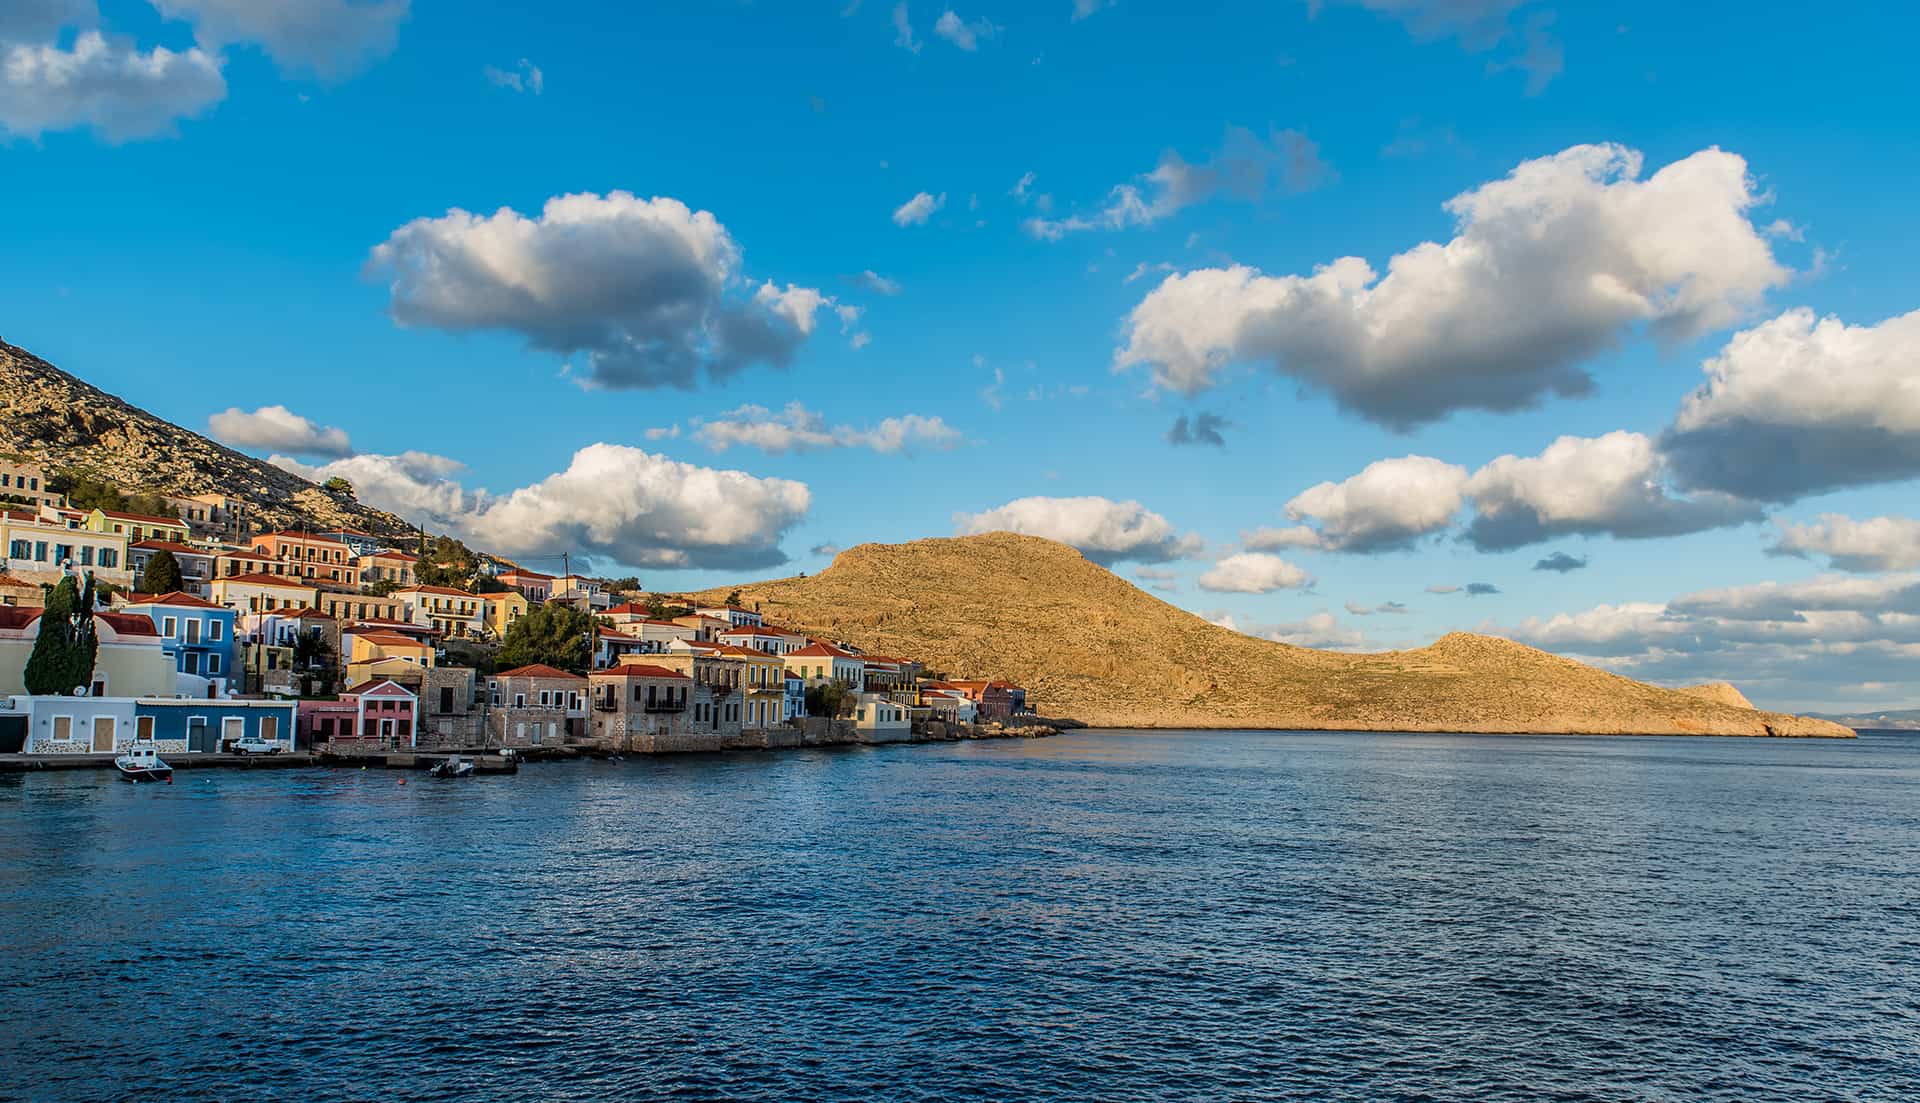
[[453, 766], [142, 762]]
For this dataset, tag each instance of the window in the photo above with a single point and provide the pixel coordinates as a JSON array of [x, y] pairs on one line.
[[62, 552], [190, 662], [519, 700], [86, 555], [20, 549], [446, 698], [193, 631], [232, 729], [62, 729], [214, 631], [213, 663], [39, 551]]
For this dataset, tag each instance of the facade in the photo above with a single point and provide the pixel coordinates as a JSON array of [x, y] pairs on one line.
[[384, 714], [25, 484], [536, 706], [371, 653], [796, 690], [131, 660], [230, 561], [262, 593], [536, 586], [212, 516], [359, 544], [718, 701], [190, 726], [319, 561], [589, 593], [351, 608], [706, 629], [994, 700], [500, 610], [444, 609], [388, 565], [764, 685], [200, 637], [641, 707], [36, 548], [274, 656], [137, 526], [75, 725], [196, 564], [735, 616], [880, 719], [821, 663], [945, 703], [773, 641]]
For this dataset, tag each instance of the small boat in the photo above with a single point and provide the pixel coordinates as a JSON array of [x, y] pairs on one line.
[[142, 762], [453, 766]]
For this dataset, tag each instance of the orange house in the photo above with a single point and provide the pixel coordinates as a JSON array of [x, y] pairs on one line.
[[316, 560]]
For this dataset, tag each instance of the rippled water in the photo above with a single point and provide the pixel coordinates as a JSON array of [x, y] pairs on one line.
[[1099, 916]]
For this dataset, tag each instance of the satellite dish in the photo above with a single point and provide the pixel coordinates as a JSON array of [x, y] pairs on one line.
[[80, 691]]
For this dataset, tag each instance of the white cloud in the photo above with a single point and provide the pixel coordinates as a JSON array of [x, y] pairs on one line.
[[1393, 608], [1550, 266], [903, 29], [1253, 573], [877, 283], [1613, 484], [664, 432], [1389, 504], [523, 77], [1246, 166], [278, 429], [1322, 630], [122, 93], [1268, 539], [1085, 8], [1023, 188], [612, 501], [36, 20], [797, 429], [961, 33], [1479, 26], [644, 288], [1104, 530], [916, 211], [329, 39], [1798, 405], [1876, 544]]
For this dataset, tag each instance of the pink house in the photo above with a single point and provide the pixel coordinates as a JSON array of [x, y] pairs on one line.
[[375, 715]]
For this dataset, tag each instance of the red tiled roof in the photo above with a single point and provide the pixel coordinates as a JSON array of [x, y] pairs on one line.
[[258, 579], [378, 687], [640, 670], [175, 598], [538, 670], [389, 639], [819, 651], [311, 537], [147, 517], [128, 624], [628, 609], [169, 545]]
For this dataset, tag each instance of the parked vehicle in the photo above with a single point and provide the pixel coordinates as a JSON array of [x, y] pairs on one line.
[[256, 746]]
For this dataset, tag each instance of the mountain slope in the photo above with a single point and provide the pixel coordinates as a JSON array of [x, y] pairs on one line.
[[59, 422], [1091, 646]]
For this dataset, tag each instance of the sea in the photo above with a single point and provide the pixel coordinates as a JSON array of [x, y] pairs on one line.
[[1096, 916]]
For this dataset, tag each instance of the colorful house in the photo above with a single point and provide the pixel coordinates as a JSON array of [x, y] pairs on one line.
[[136, 526], [181, 726], [536, 706], [37, 547], [821, 663], [448, 611], [320, 561], [500, 610], [378, 714], [388, 565], [196, 564], [262, 593], [640, 707], [735, 616], [371, 652], [536, 586], [200, 637]]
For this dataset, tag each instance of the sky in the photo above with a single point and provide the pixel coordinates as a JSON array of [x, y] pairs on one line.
[[1345, 323]]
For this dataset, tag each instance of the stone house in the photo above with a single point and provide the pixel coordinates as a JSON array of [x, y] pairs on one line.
[[645, 708], [536, 706]]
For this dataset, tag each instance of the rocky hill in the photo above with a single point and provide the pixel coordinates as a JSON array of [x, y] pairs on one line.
[[58, 421], [1091, 646]]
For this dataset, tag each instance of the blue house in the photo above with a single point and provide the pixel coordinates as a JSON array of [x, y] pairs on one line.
[[199, 636], [184, 725]]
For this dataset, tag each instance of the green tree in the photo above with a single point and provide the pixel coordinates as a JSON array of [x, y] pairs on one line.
[[84, 491], [381, 588], [660, 609], [556, 634], [338, 485], [627, 585], [445, 561], [64, 653], [830, 699], [733, 598], [162, 574]]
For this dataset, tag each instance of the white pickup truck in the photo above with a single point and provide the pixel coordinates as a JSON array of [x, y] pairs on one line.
[[256, 745]]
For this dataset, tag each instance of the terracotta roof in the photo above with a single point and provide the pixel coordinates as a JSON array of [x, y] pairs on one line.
[[169, 545], [175, 598], [128, 624], [311, 537], [446, 590], [628, 609], [640, 670], [732, 651], [378, 686], [389, 639], [819, 651], [538, 670], [391, 553], [517, 573], [147, 517], [258, 579]]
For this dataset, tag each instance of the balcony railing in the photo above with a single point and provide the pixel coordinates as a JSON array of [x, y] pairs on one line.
[[666, 706]]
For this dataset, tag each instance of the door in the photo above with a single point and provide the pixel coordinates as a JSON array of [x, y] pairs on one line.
[[143, 727], [103, 729], [197, 734], [232, 730], [270, 728]]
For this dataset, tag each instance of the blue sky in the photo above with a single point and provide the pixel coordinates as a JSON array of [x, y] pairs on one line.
[[203, 224]]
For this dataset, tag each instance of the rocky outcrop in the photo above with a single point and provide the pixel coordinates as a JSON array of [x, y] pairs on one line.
[[1092, 646], [58, 421], [1721, 692]]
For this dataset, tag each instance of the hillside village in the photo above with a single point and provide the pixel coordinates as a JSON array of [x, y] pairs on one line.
[[209, 631]]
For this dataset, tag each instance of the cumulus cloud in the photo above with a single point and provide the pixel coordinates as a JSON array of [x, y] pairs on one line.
[[1443, 588], [1875, 544], [1104, 530], [523, 77], [916, 211], [35, 20], [1561, 563], [329, 39], [1085, 8], [119, 91], [1246, 166], [798, 429], [1549, 267], [1253, 573], [1389, 504], [1613, 484], [1199, 428], [966, 35], [645, 289], [612, 501], [1799, 405], [1269, 539], [277, 429], [1322, 630]]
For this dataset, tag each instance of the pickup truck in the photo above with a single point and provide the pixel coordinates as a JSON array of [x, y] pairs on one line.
[[255, 746]]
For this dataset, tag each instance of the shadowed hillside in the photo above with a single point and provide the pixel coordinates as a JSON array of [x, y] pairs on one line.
[[1092, 646], [58, 421]]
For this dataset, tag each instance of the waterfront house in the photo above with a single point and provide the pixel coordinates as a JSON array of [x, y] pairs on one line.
[[129, 662], [995, 700], [196, 564], [944, 702], [821, 663], [536, 706], [387, 565], [764, 680], [25, 484], [880, 719], [198, 634], [640, 707], [533, 584], [136, 526], [795, 705], [718, 699], [37, 547], [448, 611], [735, 616], [371, 652], [262, 593], [500, 610], [181, 726], [376, 715], [74, 725]]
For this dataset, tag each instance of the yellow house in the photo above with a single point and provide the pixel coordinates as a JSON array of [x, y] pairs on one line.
[[132, 660], [137, 526], [36, 547], [765, 682], [379, 653], [503, 609], [262, 593]]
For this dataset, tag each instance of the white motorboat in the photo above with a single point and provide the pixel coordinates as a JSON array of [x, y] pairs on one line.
[[142, 762]]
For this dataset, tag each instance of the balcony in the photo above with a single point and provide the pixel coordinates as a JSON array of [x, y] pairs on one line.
[[666, 706]]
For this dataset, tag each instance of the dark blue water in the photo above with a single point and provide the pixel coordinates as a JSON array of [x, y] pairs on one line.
[[1098, 916]]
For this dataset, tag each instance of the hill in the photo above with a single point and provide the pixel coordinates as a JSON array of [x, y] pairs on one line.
[[1723, 692], [1092, 646], [58, 421]]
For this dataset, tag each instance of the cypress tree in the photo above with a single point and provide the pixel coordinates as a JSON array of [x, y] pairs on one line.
[[48, 665], [162, 574]]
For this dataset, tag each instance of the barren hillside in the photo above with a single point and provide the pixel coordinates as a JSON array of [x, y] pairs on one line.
[[59, 421], [1092, 646]]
